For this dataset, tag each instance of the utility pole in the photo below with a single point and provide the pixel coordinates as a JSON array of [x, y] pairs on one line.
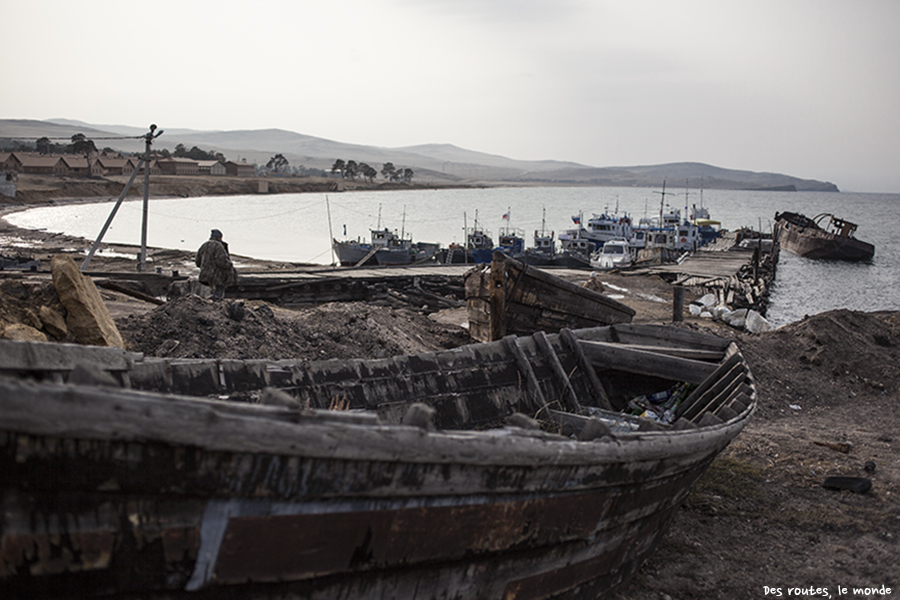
[[149, 137], [148, 140]]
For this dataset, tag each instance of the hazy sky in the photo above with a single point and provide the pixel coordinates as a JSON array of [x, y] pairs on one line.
[[809, 88]]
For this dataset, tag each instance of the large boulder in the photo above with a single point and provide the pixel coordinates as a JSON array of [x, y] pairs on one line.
[[87, 317]]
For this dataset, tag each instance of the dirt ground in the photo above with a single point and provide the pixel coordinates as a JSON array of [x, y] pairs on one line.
[[758, 524]]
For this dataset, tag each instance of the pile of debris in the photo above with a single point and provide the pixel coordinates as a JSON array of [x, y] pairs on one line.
[[194, 327]]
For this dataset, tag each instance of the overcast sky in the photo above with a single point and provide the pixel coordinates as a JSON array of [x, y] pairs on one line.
[[810, 88]]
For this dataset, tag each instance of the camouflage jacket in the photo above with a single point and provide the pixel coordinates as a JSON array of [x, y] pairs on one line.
[[215, 265]]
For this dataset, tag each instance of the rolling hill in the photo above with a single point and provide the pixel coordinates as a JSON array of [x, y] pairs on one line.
[[438, 163]]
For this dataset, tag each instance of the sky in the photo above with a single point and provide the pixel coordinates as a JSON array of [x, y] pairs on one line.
[[809, 88]]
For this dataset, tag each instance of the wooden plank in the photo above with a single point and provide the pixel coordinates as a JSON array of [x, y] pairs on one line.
[[365, 258], [658, 335], [549, 353], [571, 343], [35, 356], [512, 344], [546, 287], [612, 356], [497, 292], [725, 375], [692, 353]]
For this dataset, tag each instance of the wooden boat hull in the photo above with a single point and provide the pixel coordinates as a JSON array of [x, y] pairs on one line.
[[124, 491], [511, 297], [803, 237]]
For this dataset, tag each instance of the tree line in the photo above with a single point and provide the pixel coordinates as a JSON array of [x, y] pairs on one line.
[[351, 169], [78, 144]]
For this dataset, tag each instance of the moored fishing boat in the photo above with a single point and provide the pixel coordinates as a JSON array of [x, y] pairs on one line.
[[385, 248], [805, 237], [492, 470]]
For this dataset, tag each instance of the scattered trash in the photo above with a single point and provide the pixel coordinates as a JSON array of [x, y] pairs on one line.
[[859, 485], [869, 467], [660, 406], [742, 318], [756, 323], [795, 406], [844, 447]]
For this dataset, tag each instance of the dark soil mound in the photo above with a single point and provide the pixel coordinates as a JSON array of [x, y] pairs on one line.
[[191, 327], [826, 360]]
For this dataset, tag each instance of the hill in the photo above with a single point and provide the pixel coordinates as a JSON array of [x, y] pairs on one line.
[[437, 163]]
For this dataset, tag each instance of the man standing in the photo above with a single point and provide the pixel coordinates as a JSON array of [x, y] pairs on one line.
[[216, 269]]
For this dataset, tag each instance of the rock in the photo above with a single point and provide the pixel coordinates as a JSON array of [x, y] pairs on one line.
[[235, 311], [87, 316], [275, 397], [23, 333], [522, 421], [53, 322], [31, 319], [419, 415]]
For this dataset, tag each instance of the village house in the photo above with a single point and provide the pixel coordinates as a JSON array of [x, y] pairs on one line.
[[178, 166], [37, 164], [78, 166], [114, 165], [211, 167], [240, 169]]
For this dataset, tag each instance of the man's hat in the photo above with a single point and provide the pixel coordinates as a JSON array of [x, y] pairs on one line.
[[216, 234]]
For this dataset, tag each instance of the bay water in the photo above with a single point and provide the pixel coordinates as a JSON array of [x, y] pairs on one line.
[[299, 227]]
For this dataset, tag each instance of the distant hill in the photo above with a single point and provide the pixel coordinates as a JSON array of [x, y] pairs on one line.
[[438, 163]]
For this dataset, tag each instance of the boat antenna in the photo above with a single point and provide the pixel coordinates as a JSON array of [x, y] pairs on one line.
[[403, 223], [662, 198], [465, 239], [379, 216]]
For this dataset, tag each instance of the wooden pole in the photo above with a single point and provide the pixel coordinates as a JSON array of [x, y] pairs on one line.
[[678, 304], [142, 264], [330, 234], [112, 214], [498, 300]]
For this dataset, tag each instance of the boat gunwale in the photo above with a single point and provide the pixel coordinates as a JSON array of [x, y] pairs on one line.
[[337, 439]]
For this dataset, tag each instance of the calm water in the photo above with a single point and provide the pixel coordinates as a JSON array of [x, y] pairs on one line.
[[298, 227]]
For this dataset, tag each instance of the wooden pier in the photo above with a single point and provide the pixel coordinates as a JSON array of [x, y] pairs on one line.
[[740, 277]]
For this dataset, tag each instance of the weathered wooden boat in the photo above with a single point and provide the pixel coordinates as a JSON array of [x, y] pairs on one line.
[[431, 484], [509, 297], [803, 236]]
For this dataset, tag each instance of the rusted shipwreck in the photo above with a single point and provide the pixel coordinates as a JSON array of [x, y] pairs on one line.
[[433, 482], [508, 296], [806, 237]]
